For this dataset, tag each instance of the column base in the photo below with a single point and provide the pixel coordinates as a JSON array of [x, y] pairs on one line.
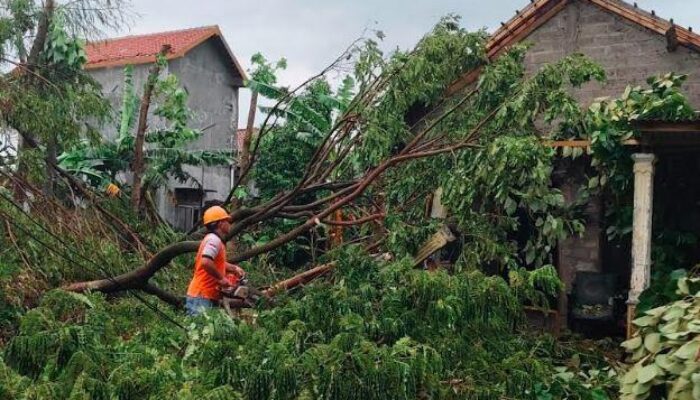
[[631, 311]]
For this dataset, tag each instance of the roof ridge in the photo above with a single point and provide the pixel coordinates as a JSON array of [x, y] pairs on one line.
[[537, 12], [145, 35], [687, 36], [144, 48]]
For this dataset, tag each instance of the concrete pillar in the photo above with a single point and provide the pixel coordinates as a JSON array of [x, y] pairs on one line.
[[438, 210], [641, 230]]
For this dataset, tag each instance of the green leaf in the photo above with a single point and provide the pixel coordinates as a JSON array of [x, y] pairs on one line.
[[688, 351], [593, 182], [663, 361], [641, 388], [652, 342], [646, 321], [647, 374], [631, 376], [673, 313], [240, 192], [656, 312], [633, 343], [510, 206]]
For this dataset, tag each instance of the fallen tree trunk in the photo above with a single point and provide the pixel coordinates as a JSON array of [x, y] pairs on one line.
[[298, 280], [335, 149], [138, 278], [279, 287], [175, 301]]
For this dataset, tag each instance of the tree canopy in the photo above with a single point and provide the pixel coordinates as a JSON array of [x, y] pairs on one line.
[[366, 155]]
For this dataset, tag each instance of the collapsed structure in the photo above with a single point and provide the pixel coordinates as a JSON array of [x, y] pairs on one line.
[[631, 45]]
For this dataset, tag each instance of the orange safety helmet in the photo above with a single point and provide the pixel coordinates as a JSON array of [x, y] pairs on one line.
[[215, 214]]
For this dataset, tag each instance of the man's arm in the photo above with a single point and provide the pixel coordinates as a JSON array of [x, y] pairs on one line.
[[212, 245], [209, 266]]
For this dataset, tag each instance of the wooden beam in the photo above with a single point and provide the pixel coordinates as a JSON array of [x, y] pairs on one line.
[[584, 143], [435, 243], [568, 143], [463, 81], [671, 39], [689, 127]]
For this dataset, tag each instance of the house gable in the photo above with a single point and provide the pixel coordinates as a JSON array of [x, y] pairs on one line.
[[143, 49], [629, 43]]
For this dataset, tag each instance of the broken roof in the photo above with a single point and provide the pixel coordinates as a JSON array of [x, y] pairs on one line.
[[538, 12], [142, 49]]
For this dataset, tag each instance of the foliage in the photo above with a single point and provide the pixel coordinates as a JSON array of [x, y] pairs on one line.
[[62, 50], [665, 349], [288, 147], [289, 144], [55, 245], [376, 331], [527, 217], [508, 189], [499, 195], [669, 255], [418, 81], [608, 123]]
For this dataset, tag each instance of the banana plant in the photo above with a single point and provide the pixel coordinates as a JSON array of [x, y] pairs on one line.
[[166, 154]]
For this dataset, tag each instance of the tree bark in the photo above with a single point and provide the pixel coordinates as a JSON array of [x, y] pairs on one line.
[[51, 159], [32, 61], [42, 32], [297, 280], [139, 277], [138, 163], [244, 151], [164, 295]]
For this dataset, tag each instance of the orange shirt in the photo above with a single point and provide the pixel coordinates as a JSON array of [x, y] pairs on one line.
[[203, 284]]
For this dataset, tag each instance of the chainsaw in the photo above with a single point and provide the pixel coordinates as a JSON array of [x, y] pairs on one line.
[[240, 295]]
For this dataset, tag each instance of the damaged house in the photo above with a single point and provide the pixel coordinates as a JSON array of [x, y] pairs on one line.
[[631, 45]]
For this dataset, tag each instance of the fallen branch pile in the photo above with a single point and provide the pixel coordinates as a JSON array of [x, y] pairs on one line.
[[331, 159]]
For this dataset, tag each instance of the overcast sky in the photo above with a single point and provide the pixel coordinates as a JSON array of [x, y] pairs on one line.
[[311, 33]]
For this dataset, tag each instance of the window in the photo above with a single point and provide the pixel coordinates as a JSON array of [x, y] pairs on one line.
[[188, 207]]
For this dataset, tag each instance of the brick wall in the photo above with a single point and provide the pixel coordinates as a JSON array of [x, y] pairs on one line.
[[576, 253], [628, 52]]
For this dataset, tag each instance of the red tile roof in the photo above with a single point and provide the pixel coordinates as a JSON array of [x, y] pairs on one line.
[[142, 49], [540, 11]]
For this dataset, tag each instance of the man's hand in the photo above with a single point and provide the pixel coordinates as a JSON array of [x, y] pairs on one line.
[[224, 283], [239, 271], [235, 269]]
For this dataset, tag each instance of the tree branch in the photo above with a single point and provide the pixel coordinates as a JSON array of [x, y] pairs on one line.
[[138, 164]]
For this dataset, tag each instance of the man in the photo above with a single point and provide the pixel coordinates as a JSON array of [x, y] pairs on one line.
[[210, 266]]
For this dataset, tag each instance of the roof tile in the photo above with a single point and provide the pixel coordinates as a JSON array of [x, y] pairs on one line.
[[144, 48]]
